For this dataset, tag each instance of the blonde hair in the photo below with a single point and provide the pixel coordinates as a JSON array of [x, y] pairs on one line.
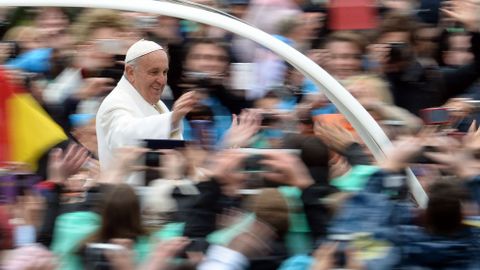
[[94, 19], [21, 33], [376, 84]]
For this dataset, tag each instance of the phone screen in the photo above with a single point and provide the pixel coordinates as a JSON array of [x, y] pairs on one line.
[[435, 116]]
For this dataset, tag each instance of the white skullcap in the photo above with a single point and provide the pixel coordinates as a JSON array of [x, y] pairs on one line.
[[140, 48]]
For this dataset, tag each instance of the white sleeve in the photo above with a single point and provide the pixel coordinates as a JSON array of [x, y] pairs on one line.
[[222, 258], [123, 129]]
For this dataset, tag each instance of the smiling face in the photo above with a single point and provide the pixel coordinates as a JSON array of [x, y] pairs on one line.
[[206, 57], [345, 59], [148, 75]]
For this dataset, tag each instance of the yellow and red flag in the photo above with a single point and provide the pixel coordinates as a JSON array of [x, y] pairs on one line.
[[26, 130]]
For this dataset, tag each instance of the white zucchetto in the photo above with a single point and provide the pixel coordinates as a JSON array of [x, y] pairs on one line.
[[141, 48]]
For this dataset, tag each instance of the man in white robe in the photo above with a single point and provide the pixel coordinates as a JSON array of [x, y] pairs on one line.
[[133, 110]]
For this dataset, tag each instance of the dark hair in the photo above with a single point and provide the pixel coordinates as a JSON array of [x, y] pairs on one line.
[[220, 43], [347, 36], [443, 215], [314, 153], [398, 22], [121, 217]]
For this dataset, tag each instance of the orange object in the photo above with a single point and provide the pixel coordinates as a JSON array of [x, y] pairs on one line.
[[335, 118]]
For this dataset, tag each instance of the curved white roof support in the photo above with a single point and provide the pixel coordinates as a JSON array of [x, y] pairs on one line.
[[364, 124]]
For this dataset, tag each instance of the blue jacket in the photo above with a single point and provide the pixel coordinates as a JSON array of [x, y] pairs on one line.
[[421, 250]]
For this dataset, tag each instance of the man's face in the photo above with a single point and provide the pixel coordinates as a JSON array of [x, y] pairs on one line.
[[149, 75], [345, 59], [458, 53], [426, 41], [208, 58]]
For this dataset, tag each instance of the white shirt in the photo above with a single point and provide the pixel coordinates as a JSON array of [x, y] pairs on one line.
[[222, 258], [124, 118]]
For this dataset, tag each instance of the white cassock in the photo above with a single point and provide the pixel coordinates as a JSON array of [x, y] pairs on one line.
[[125, 117]]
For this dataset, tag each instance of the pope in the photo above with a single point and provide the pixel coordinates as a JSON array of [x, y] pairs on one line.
[[133, 110]]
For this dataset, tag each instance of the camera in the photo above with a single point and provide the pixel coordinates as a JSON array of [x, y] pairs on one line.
[[252, 164], [422, 158], [153, 159], [269, 119], [343, 241], [399, 52], [201, 81], [95, 258]]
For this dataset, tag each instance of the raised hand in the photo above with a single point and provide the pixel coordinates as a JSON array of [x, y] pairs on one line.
[[224, 165], [287, 169], [62, 165], [466, 12], [182, 106], [243, 128], [126, 158], [334, 136]]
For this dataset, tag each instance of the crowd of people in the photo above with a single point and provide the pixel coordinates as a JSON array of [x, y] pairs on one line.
[[192, 148]]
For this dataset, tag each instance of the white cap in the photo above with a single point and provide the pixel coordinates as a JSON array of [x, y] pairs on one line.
[[140, 48]]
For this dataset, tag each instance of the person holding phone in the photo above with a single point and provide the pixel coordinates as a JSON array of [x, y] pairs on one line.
[[133, 110]]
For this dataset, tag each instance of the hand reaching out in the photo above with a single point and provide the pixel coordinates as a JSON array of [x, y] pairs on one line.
[[287, 169], [126, 158], [243, 128], [334, 136], [62, 165], [182, 106], [466, 12]]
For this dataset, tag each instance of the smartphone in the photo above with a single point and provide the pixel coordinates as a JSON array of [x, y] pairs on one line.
[[95, 258], [164, 144], [435, 116]]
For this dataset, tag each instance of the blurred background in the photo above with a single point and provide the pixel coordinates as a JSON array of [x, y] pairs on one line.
[[269, 174]]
